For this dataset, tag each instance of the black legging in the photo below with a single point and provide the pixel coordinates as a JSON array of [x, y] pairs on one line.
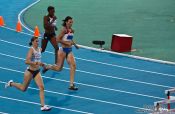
[[54, 44]]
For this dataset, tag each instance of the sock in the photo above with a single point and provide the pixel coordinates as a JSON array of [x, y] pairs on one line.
[[71, 84]]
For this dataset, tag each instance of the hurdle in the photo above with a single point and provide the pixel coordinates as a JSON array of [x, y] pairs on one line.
[[168, 101]]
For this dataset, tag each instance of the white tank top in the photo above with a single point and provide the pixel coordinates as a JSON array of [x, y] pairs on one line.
[[54, 23], [36, 56], [68, 36]]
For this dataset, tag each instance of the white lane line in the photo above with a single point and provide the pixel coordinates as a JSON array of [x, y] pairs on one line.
[[15, 30], [86, 98], [3, 113], [22, 11], [34, 103], [152, 72], [104, 88], [129, 68], [102, 75]]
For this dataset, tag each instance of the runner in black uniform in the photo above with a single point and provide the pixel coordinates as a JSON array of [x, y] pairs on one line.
[[50, 27]]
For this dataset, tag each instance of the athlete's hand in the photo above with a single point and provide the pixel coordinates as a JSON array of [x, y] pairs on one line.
[[40, 63], [76, 46]]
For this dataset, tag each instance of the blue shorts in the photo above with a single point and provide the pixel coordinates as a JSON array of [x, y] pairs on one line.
[[67, 50]]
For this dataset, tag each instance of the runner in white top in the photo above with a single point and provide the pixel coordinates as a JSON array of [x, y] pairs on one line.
[[33, 59]]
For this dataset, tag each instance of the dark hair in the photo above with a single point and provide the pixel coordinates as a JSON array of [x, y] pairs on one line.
[[50, 8], [32, 39], [65, 20]]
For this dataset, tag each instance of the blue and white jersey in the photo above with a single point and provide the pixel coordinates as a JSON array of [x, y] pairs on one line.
[[68, 36], [36, 56]]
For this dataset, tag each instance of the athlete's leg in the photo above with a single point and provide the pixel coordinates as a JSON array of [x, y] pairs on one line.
[[25, 84], [55, 45], [39, 81], [44, 44], [71, 61]]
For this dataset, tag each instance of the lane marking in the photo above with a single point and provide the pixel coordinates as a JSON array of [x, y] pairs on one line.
[[34, 103], [129, 68], [104, 88], [101, 75]]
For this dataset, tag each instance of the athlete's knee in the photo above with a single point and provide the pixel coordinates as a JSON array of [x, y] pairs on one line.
[[73, 66], [58, 68], [23, 88], [41, 87]]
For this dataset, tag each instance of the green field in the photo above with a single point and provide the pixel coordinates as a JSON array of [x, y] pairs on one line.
[[150, 22]]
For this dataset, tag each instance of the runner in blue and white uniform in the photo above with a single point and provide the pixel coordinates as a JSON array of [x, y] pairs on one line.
[[65, 37]]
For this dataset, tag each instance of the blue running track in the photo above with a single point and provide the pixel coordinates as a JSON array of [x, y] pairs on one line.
[[108, 83]]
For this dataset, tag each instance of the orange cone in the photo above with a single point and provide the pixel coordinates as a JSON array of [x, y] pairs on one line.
[[18, 27], [1, 21], [36, 32]]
